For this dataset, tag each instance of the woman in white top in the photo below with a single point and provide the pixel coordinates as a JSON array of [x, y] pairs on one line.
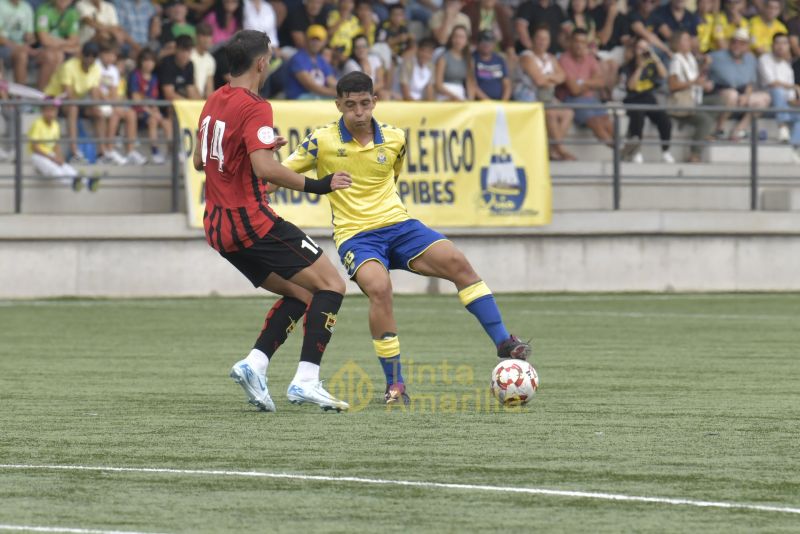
[[416, 72], [538, 74], [686, 85], [260, 15], [361, 60]]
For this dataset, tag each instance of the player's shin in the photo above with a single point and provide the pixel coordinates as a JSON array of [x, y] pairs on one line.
[[279, 323], [388, 351], [320, 321], [479, 301]]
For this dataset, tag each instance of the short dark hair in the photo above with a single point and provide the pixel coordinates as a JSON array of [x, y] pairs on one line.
[[354, 82], [144, 55], [244, 48], [427, 42], [579, 31], [184, 42], [395, 7], [778, 36], [204, 28]]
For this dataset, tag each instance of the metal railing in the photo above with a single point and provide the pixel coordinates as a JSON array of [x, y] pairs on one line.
[[20, 138], [618, 110]]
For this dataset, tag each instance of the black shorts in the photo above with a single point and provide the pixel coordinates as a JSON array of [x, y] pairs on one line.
[[285, 250]]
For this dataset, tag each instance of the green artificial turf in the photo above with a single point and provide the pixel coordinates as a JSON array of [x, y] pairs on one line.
[[680, 396]]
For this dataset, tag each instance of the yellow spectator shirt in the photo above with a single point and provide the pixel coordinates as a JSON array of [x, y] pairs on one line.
[[762, 33], [48, 134], [710, 30], [372, 201], [343, 38], [70, 74], [728, 28]]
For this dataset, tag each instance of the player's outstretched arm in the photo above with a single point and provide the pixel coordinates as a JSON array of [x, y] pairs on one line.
[[265, 166]]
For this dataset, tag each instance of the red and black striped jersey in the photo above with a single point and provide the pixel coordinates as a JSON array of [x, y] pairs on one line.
[[235, 122]]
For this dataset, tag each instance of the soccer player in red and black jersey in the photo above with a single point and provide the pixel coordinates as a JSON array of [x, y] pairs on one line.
[[235, 147]]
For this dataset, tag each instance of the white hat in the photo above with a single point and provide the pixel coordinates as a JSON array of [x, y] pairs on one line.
[[741, 35]]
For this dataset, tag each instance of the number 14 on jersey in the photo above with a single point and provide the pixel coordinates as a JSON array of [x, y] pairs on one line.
[[216, 141]]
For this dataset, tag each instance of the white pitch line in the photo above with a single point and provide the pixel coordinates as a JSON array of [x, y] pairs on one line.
[[28, 528], [421, 484], [657, 315]]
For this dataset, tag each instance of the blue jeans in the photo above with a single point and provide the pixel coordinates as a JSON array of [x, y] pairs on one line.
[[779, 100]]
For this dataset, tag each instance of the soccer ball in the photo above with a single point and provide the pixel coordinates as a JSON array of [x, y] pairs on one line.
[[514, 382]]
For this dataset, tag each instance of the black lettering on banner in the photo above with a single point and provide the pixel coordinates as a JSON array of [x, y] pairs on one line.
[[425, 192]]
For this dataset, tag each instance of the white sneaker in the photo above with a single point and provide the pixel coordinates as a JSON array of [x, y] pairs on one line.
[[158, 159], [313, 392], [637, 158], [5, 155], [255, 386], [666, 157], [784, 134], [135, 158], [113, 157]]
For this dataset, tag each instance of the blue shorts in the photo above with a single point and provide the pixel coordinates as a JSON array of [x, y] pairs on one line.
[[394, 246], [582, 116]]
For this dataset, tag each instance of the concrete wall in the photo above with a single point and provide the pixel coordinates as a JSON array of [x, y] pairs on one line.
[[589, 251]]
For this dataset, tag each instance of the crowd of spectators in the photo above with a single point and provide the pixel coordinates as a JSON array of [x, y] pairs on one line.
[[742, 53]]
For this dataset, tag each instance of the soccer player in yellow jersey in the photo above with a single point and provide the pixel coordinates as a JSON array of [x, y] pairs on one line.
[[374, 233]]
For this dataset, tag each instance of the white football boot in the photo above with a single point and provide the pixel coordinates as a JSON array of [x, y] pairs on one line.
[[313, 392], [255, 386]]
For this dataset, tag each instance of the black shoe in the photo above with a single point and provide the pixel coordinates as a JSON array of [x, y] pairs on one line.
[[514, 348]]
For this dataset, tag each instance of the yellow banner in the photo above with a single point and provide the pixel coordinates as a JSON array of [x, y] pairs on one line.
[[467, 164]]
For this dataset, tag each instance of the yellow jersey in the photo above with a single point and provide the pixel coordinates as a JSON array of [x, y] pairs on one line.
[[762, 33], [46, 136], [372, 201], [70, 74]]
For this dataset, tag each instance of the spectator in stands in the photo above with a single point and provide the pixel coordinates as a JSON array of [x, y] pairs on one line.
[[176, 72], [76, 79], [361, 60], [174, 26], [57, 26], [730, 20], [538, 75], [416, 72], [491, 72], [673, 17], [490, 15], [203, 62], [710, 30], [735, 74], [367, 19], [644, 24], [143, 85], [578, 16], [445, 20], [292, 32], [260, 15], [454, 78], [613, 33], [135, 18], [112, 115], [311, 76], [765, 26], [777, 76], [687, 82], [46, 155], [16, 37], [793, 25], [342, 26], [421, 10], [99, 21], [394, 32], [534, 13], [643, 73], [582, 79], [225, 19]]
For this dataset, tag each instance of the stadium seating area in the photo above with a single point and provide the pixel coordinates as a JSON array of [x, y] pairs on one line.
[[603, 52]]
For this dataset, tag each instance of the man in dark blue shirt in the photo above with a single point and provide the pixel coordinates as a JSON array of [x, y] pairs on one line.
[[310, 76], [674, 17], [491, 72]]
